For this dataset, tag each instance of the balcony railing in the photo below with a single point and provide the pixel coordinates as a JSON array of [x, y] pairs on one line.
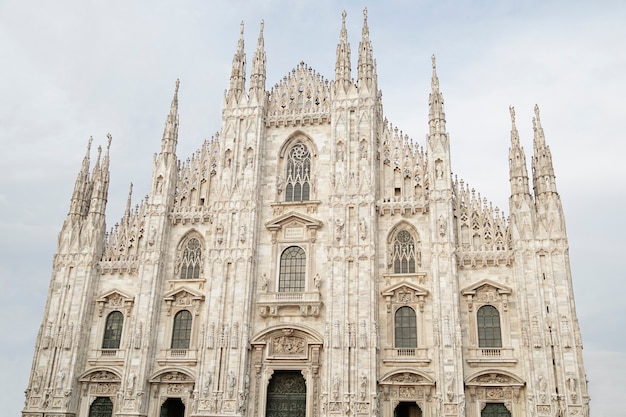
[[106, 356], [419, 355], [270, 304], [492, 355], [189, 356]]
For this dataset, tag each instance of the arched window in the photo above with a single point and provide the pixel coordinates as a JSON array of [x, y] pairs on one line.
[[488, 321], [113, 331], [292, 270], [181, 332], [101, 407], [403, 254], [405, 328], [191, 260], [298, 176]]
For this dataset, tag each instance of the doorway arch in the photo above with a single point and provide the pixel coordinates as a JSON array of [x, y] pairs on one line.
[[407, 409], [495, 410], [172, 407], [286, 395], [101, 407]]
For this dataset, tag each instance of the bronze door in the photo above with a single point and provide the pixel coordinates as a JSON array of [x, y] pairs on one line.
[[286, 395]]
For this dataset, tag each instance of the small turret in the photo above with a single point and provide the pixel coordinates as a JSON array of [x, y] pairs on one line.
[[100, 177], [367, 65], [258, 74], [543, 172], [342, 67], [170, 132], [166, 163], [436, 115], [518, 174], [238, 73], [80, 197], [550, 219]]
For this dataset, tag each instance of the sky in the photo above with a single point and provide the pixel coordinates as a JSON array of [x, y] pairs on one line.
[[72, 69]]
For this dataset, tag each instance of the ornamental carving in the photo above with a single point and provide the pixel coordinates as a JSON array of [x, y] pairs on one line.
[[493, 379], [290, 345], [103, 376], [103, 388], [115, 300], [175, 377], [406, 378]]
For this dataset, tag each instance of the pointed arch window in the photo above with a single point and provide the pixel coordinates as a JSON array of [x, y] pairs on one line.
[[181, 332], [298, 175], [292, 270], [488, 323], [405, 328], [101, 407], [191, 260], [404, 256], [113, 330]]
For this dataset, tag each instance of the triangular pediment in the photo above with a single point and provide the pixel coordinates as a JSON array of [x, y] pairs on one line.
[[472, 289], [295, 219], [182, 293], [115, 296], [406, 287]]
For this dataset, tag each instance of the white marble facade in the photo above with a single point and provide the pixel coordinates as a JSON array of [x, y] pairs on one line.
[[312, 236]]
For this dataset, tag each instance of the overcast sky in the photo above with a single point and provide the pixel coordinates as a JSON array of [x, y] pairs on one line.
[[74, 69]]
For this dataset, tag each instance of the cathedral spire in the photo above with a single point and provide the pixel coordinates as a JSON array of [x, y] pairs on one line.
[[170, 133], [543, 171], [238, 73], [342, 67], [367, 65], [518, 174], [80, 202], [436, 115], [257, 77], [100, 178], [128, 203]]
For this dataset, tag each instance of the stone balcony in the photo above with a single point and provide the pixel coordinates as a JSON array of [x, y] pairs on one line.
[[418, 356], [503, 356], [274, 304], [178, 357], [107, 356]]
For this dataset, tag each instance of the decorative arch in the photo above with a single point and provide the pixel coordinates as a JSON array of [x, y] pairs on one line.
[[286, 348], [404, 249], [172, 374], [495, 386], [171, 382], [298, 135], [296, 169], [99, 382], [313, 335], [190, 254], [407, 385]]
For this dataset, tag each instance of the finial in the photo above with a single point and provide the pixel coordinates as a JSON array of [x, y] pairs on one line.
[[343, 17], [433, 59], [537, 113], [89, 143], [262, 25], [512, 111], [365, 14], [109, 139], [241, 28], [177, 85]]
